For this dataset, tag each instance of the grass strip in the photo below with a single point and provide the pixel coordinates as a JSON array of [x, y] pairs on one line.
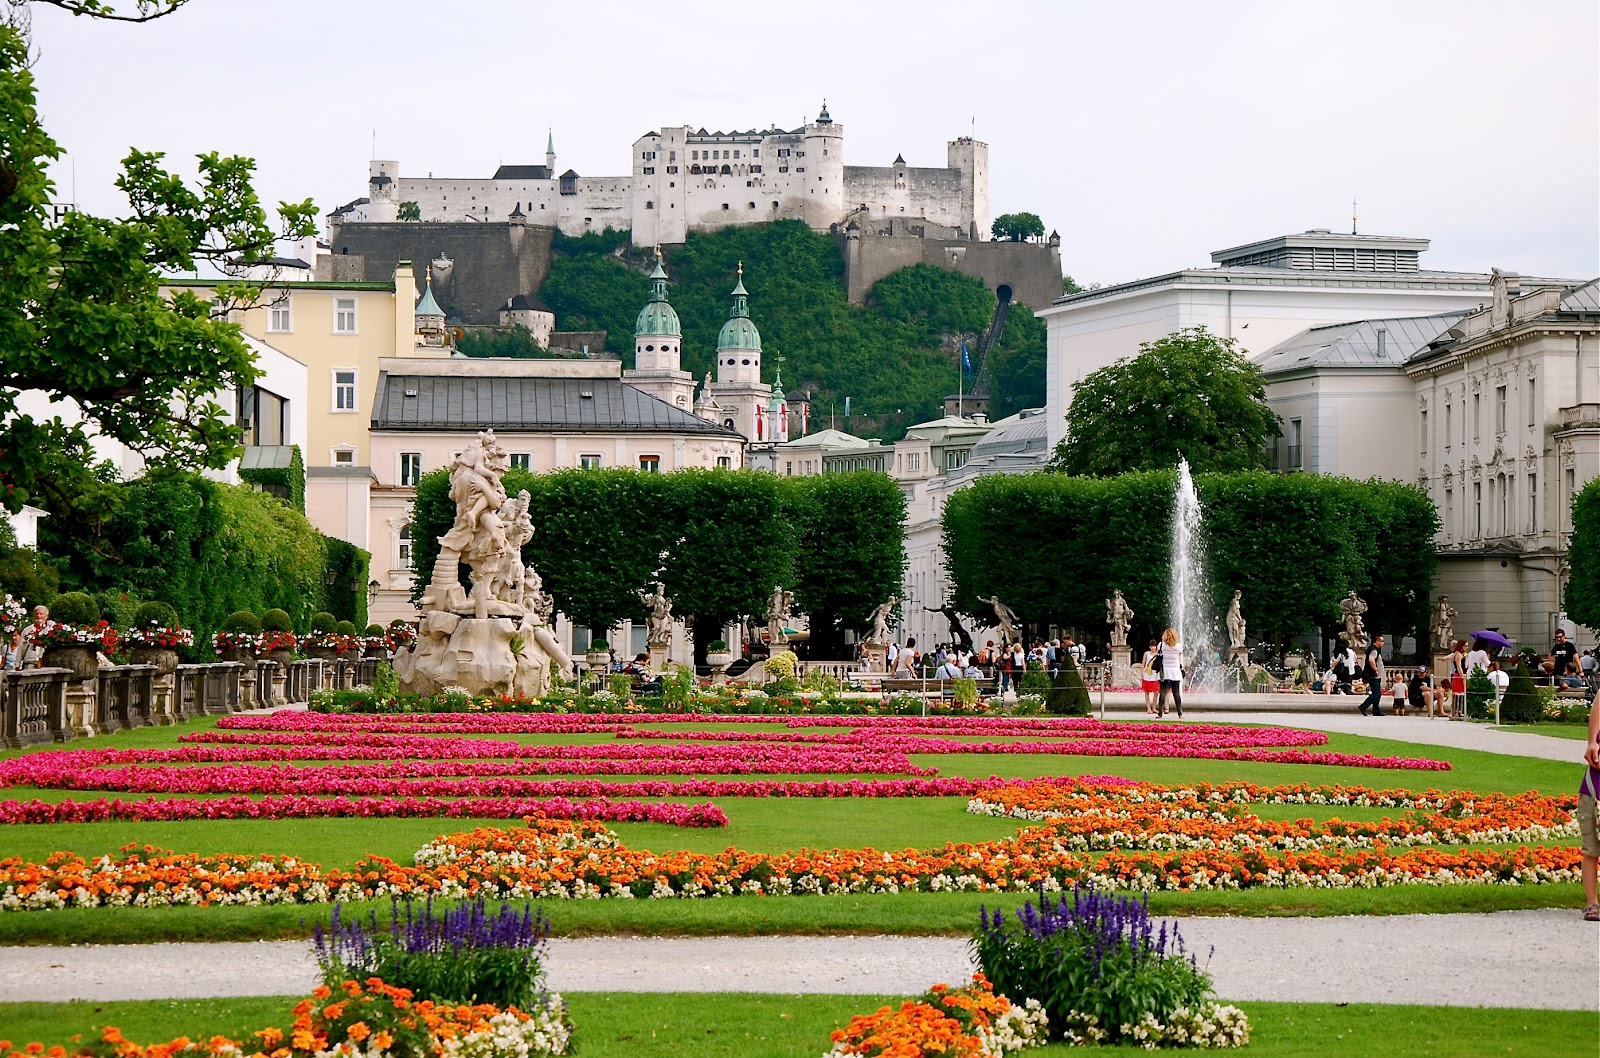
[[752, 1025], [897, 914]]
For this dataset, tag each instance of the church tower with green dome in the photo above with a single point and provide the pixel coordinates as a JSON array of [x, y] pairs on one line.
[[658, 346], [738, 398]]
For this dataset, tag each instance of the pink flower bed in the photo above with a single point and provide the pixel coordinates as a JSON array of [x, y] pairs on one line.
[[298, 765]]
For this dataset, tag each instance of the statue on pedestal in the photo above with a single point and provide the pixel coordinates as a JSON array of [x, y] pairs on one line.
[[1007, 618], [1235, 622], [879, 619], [659, 633], [497, 640], [1355, 631], [778, 617], [962, 636], [1118, 615], [1443, 626]]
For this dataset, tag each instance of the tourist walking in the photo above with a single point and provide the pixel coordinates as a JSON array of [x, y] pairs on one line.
[[1372, 672], [1458, 679], [1588, 799], [1170, 655], [1150, 679]]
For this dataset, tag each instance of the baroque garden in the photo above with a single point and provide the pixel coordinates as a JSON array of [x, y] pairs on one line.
[[436, 821]]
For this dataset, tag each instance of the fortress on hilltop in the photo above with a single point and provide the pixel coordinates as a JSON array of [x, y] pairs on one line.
[[686, 179]]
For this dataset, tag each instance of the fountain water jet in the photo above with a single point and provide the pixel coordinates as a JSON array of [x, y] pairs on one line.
[[1187, 591]]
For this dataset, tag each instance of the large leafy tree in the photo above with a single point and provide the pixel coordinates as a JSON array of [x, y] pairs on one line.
[[850, 537], [1017, 227], [83, 318], [1583, 583], [1189, 395]]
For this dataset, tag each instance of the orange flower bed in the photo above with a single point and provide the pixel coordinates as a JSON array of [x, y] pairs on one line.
[[967, 1022], [1142, 836]]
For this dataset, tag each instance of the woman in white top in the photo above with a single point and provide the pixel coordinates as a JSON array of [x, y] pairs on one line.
[[1171, 659], [1478, 658], [906, 659]]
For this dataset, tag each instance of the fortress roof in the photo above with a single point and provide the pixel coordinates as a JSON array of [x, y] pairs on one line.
[[522, 172]]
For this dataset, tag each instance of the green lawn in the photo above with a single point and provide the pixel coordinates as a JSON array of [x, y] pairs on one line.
[[1577, 731], [744, 1025]]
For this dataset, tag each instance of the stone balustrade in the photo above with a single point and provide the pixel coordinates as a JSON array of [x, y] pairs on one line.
[[33, 707]]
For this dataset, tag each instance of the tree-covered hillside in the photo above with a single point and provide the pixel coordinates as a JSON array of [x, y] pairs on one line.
[[895, 358]]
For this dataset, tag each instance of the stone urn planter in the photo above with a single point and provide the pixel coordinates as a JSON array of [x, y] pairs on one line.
[[80, 660], [282, 657], [598, 660], [719, 659], [380, 653], [165, 661], [246, 658], [325, 653]]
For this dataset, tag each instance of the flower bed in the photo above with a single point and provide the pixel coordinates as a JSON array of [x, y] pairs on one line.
[[967, 1022], [1122, 835]]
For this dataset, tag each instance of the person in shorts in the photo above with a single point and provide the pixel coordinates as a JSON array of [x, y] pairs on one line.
[[1588, 795]]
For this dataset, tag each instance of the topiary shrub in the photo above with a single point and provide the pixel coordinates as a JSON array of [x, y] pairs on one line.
[[1480, 695], [118, 608], [155, 615], [345, 628], [75, 608], [1068, 695], [276, 620], [1521, 705], [323, 621], [242, 621], [1035, 680], [374, 630]]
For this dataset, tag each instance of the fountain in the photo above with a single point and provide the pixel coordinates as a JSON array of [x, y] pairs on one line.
[[1187, 590]]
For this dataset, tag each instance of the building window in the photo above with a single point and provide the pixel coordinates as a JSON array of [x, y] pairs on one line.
[[1296, 446], [344, 316], [410, 468], [650, 464], [1449, 425], [1450, 511], [914, 461], [1500, 409], [263, 416], [344, 456], [402, 550], [1477, 509], [1533, 403], [344, 389], [279, 318], [1477, 416], [1422, 418], [955, 460], [1533, 503], [788, 468], [724, 463], [590, 462], [1504, 508], [521, 461]]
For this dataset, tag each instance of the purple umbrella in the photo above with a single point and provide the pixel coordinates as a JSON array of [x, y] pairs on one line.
[[1489, 635]]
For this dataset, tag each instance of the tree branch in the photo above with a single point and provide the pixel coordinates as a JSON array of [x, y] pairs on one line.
[[149, 10]]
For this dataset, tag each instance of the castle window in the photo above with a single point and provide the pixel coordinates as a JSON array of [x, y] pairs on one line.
[[672, 156], [756, 153], [649, 204], [696, 155], [736, 154], [752, 205], [774, 203], [728, 423], [724, 205]]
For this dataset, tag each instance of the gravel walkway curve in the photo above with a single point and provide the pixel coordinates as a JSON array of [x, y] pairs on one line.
[[1504, 959]]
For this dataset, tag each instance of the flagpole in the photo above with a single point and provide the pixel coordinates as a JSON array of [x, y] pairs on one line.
[[960, 389]]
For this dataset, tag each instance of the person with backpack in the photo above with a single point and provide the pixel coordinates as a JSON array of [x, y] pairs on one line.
[[1372, 672]]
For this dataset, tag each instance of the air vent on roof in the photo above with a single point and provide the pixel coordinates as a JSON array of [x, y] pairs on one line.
[[586, 395], [411, 393]]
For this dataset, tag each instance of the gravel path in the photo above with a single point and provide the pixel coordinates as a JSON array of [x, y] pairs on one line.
[[1546, 959]]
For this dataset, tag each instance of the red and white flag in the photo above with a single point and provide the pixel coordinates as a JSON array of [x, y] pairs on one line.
[[760, 425]]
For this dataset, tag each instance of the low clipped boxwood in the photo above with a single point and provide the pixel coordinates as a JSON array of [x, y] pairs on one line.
[[276, 620], [345, 628], [323, 621], [242, 621], [374, 630], [75, 608], [155, 615]]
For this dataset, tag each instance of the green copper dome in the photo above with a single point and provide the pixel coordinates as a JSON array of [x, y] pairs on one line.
[[657, 317], [739, 333]]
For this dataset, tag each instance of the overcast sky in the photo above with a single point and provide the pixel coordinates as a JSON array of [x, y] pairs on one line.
[[1148, 133]]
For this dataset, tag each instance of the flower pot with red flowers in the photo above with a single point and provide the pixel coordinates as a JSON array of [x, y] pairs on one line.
[[155, 637], [75, 635], [240, 638]]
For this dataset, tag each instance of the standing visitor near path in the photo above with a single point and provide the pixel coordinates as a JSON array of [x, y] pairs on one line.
[[1588, 797], [1562, 653], [1372, 672], [1150, 679], [1171, 657]]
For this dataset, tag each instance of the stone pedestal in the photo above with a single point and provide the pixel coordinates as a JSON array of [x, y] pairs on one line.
[[81, 701], [658, 657], [1239, 657], [280, 686], [1123, 673], [878, 657], [162, 708]]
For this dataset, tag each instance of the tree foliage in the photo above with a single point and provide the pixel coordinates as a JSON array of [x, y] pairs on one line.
[[896, 357], [850, 541], [1293, 544], [1017, 227], [83, 318], [515, 342], [1189, 394], [836, 541], [1583, 554], [409, 211]]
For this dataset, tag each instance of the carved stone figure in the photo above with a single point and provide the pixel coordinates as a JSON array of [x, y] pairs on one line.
[[1235, 622], [498, 639], [1443, 625], [1355, 632], [1500, 308], [1118, 615], [659, 632], [880, 620], [962, 636], [1007, 618]]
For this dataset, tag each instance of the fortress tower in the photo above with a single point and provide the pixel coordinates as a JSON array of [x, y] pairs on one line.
[[821, 186], [971, 157], [383, 188]]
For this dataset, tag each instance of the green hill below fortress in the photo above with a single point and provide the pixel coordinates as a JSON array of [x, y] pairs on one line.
[[896, 357]]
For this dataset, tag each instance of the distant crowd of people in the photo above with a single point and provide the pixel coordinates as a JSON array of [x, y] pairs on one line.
[[1007, 661]]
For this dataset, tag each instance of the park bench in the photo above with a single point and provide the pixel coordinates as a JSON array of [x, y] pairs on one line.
[[987, 686]]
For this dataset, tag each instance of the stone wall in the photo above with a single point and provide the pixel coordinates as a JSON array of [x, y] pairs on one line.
[[488, 262], [1031, 269]]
